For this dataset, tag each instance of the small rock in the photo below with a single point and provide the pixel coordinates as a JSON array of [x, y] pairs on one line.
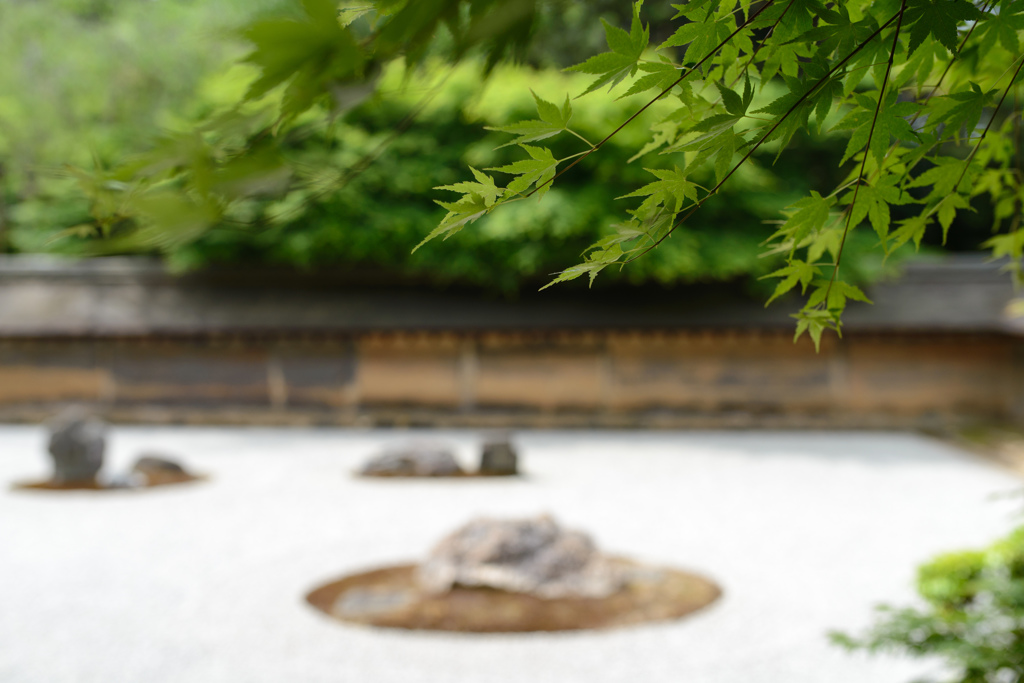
[[414, 460], [499, 456], [152, 468], [126, 480], [157, 463], [77, 443], [533, 556], [359, 602]]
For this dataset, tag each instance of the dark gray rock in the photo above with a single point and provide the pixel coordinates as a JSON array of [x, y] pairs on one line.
[[534, 556], [414, 460], [77, 444], [499, 456]]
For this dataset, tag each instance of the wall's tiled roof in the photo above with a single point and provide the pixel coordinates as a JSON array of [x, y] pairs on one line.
[[47, 297]]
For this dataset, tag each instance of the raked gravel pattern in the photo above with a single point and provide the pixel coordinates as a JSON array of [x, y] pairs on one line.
[[204, 583]]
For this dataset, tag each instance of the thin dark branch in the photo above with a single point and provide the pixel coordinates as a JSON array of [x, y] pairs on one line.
[[1019, 169], [757, 49], [867, 152], [935, 88], [760, 142], [945, 72], [655, 99], [767, 35], [988, 126], [753, 55]]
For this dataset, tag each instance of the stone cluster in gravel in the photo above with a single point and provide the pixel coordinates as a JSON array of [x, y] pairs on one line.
[[805, 532]]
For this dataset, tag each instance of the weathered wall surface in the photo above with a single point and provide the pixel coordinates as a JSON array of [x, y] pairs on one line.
[[140, 344], [610, 377]]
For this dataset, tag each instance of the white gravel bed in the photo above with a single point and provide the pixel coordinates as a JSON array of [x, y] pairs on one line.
[[205, 582]]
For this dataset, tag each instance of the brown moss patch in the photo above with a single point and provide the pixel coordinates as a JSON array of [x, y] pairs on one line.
[[152, 480], [390, 598]]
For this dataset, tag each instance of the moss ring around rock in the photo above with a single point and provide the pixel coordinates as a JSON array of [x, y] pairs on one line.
[[506, 576]]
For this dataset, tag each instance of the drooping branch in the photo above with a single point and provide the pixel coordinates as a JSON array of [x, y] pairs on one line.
[[655, 99], [867, 150], [803, 98], [988, 126]]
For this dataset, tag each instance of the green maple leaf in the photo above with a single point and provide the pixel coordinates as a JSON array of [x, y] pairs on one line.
[[958, 111], [939, 19], [733, 102], [831, 90], [826, 239], [873, 203], [659, 76], [623, 59], [814, 322], [553, 120], [624, 232], [1001, 27], [694, 9], [700, 37], [909, 229], [539, 169], [171, 218], [796, 272], [684, 35], [552, 114], [946, 211], [484, 188], [477, 199], [836, 33], [891, 122], [781, 105], [791, 113], [709, 138], [671, 190], [810, 215], [943, 177], [726, 149], [858, 120], [306, 53], [597, 260], [834, 295], [460, 213], [1009, 245]]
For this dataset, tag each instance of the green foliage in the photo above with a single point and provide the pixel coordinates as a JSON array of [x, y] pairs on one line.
[[553, 120], [940, 20], [372, 220], [624, 57], [972, 617], [84, 83], [910, 89], [327, 189], [310, 55], [902, 81]]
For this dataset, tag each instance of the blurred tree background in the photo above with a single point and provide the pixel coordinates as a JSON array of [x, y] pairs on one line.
[[86, 84]]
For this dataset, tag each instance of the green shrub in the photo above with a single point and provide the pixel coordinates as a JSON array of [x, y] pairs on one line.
[[974, 617]]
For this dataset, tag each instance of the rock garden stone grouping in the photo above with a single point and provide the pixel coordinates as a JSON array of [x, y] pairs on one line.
[[509, 575]]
